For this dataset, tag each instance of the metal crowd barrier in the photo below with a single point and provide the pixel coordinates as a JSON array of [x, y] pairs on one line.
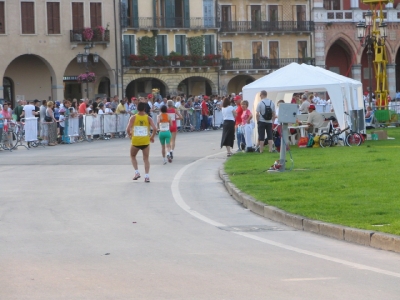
[[105, 124]]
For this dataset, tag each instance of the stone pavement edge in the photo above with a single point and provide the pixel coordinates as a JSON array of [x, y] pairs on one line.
[[379, 240]]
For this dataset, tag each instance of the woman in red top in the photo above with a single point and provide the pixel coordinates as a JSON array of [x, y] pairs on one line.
[[7, 116], [175, 115], [247, 125]]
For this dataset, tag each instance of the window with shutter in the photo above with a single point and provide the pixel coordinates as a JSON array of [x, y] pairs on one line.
[[95, 14], [53, 18], [2, 18], [180, 44], [129, 47], [77, 16], [209, 44], [162, 48], [28, 17]]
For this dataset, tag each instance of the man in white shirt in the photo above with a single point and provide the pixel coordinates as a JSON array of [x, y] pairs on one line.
[[157, 105], [28, 111], [304, 105], [317, 99], [314, 120]]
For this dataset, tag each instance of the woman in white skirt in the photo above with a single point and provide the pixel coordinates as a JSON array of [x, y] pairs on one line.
[[247, 126]]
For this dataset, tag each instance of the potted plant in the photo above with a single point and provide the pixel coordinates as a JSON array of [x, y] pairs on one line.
[[107, 33], [176, 58], [99, 33], [87, 34], [87, 77], [212, 59]]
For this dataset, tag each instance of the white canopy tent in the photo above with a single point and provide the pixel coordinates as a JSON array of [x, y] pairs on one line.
[[345, 93]]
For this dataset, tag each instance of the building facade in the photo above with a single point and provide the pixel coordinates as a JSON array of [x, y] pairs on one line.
[[39, 44], [210, 46], [257, 37], [338, 49], [170, 45]]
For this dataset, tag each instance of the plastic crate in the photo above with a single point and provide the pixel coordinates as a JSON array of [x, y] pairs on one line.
[[382, 116]]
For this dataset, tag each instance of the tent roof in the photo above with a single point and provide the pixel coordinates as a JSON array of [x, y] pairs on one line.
[[295, 78]]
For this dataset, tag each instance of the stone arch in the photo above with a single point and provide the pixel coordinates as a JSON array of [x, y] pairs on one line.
[[36, 80], [210, 78], [71, 88], [344, 65], [237, 82], [142, 85], [350, 44]]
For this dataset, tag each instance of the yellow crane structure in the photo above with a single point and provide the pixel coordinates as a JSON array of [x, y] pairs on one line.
[[374, 35]]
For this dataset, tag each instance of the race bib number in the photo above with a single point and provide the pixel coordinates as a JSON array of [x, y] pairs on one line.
[[141, 131], [164, 126], [172, 116]]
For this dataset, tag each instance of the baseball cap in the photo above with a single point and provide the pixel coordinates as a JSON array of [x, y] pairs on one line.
[[133, 98], [237, 98], [150, 96], [312, 106]]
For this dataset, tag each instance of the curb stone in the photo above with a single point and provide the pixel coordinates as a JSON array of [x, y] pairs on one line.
[[379, 240]]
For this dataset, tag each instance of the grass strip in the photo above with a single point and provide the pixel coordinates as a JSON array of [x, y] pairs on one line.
[[350, 186]]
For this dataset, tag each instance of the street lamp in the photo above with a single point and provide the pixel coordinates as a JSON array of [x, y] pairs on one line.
[[84, 58], [369, 36]]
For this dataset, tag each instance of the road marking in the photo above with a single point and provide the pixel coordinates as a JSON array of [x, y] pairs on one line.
[[310, 279], [181, 203]]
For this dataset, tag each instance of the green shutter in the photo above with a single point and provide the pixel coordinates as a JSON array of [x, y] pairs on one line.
[[178, 44], [155, 13], [124, 13], [126, 50], [169, 13], [207, 45], [186, 13], [162, 45], [212, 44], [135, 13], [183, 44]]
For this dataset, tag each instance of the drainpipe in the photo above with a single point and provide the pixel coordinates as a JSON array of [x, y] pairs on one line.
[[121, 50], [216, 25], [311, 34], [116, 46]]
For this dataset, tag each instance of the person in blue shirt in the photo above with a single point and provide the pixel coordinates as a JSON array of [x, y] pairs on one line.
[[398, 95], [197, 112]]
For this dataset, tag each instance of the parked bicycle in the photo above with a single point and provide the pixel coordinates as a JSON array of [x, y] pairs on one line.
[[334, 136], [8, 140]]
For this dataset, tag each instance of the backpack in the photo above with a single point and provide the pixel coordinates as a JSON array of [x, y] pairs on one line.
[[268, 112]]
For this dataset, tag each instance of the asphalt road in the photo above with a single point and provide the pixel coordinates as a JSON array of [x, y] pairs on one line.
[[73, 225]]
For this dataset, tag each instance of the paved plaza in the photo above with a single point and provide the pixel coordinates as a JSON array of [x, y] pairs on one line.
[[73, 225]]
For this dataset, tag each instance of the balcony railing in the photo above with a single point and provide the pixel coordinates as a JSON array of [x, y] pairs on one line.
[[262, 63], [353, 16], [266, 26], [159, 23], [77, 36], [159, 61]]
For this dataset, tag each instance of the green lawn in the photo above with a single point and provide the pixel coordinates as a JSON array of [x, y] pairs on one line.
[[352, 186]]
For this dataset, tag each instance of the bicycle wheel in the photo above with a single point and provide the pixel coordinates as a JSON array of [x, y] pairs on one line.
[[353, 139], [9, 140], [325, 140], [13, 140]]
